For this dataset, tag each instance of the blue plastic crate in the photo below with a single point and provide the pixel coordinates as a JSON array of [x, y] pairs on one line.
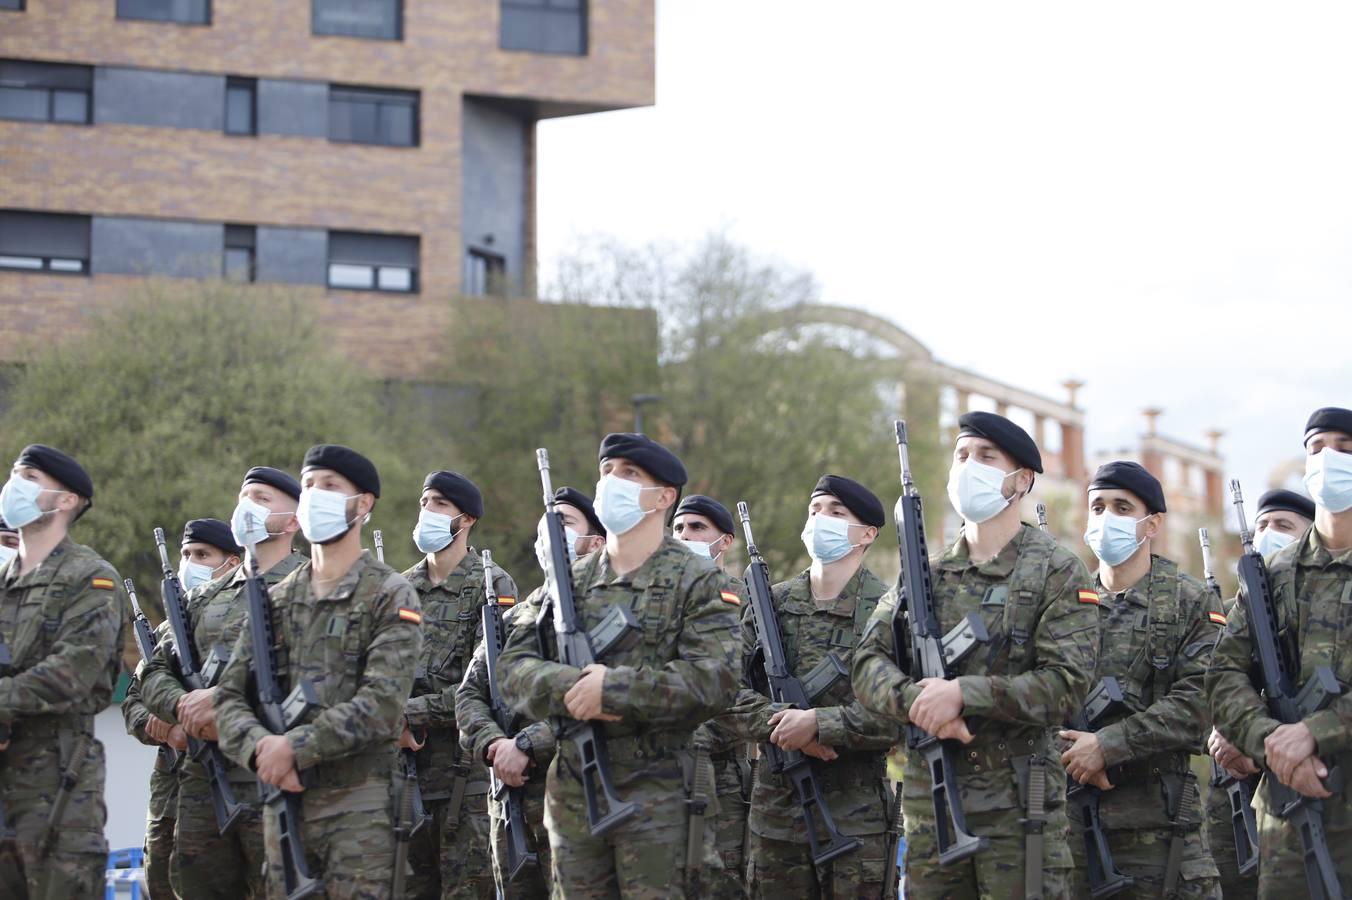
[[125, 876]]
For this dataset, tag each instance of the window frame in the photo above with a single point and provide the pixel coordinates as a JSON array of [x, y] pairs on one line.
[[391, 97], [493, 262], [23, 5], [374, 270], [398, 24], [246, 84], [49, 263], [51, 92], [205, 23], [545, 7], [240, 238]]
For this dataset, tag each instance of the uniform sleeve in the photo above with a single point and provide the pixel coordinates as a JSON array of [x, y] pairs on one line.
[[473, 707], [160, 688], [1239, 712], [374, 713], [1065, 646], [854, 727], [236, 723], [1181, 719], [749, 716], [87, 642], [880, 685], [700, 682], [531, 684], [134, 713]]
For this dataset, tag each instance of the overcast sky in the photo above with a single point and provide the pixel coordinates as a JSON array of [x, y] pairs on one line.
[[1154, 198]]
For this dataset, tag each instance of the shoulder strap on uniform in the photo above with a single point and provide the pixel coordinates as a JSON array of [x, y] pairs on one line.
[[1165, 617], [1027, 585]]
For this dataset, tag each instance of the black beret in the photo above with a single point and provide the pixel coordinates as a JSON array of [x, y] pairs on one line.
[[1004, 434], [213, 532], [857, 498], [1130, 476], [60, 466], [4, 526], [282, 481], [1330, 418], [458, 489], [647, 454], [574, 497], [346, 462], [710, 508], [1287, 500]]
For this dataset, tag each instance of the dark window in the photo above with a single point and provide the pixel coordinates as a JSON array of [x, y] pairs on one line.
[[44, 242], [545, 26], [44, 92], [373, 262], [240, 106], [239, 252], [359, 18], [369, 116], [485, 273], [188, 12], [11, 4]]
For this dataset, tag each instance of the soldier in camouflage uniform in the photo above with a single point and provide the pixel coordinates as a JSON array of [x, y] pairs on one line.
[[521, 758], [705, 526], [1036, 601], [1281, 518], [350, 625], [206, 863], [650, 697], [450, 857], [1310, 580], [822, 612], [207, 544], [62, 609], [1157, 628]]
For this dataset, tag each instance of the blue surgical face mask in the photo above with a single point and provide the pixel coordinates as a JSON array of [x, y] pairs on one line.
[[1328, 479], [192, 574], [19, 501], [433, 531], [249, 522], [570, 537], [617, 503], [827, 538], [976, 490], [1113, 537], [323, 515], [701, 548], [1269, 541], [6, 554]]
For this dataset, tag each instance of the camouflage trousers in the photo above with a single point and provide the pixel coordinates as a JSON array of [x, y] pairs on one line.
[[30, 771], [996, 873], [729, 827], [158, 846], [1220, 836], [1142, 854], [1281, 872], [643, 858], [206, 863], [348, 836], [534, 881], [449, 855], [783, 869]]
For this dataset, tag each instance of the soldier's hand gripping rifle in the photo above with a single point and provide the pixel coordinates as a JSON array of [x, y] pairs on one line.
[[574, 648], [519, 853], [1083, 799], [1278, 674], [227, 809], [1238, 791], [145, 642], [922, 652], [278, 713], [783, 687]]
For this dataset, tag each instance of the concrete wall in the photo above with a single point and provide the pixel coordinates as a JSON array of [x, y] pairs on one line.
[[495, 185]]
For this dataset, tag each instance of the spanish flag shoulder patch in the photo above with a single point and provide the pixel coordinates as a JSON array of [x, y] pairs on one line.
[[731, 597], [1089, 597], [101, 584], [410, 615], [1216, 618], [506, 600]]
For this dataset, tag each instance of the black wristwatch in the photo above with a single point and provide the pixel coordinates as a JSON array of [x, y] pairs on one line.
[[523, 744]]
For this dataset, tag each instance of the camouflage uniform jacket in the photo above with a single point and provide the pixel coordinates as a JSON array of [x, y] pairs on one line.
[[451, 623], [217, 614], [358, 646], [853, 783], [1156, 639], [474, 710], [135, 715], [682, 672], [1035, 599], [1312, 591], [63, 625]]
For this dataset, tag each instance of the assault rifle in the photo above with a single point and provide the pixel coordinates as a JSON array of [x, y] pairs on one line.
[[145, 642], [1083, 799]]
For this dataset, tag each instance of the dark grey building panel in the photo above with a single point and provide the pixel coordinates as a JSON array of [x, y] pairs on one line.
[[156, 247], [162, 99], [494, 212], [292, 255], [299, 108]]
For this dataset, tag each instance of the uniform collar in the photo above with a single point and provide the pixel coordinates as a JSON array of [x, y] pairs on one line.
[[999, 566], [643, 576], [45, 571], [1314, 553]]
